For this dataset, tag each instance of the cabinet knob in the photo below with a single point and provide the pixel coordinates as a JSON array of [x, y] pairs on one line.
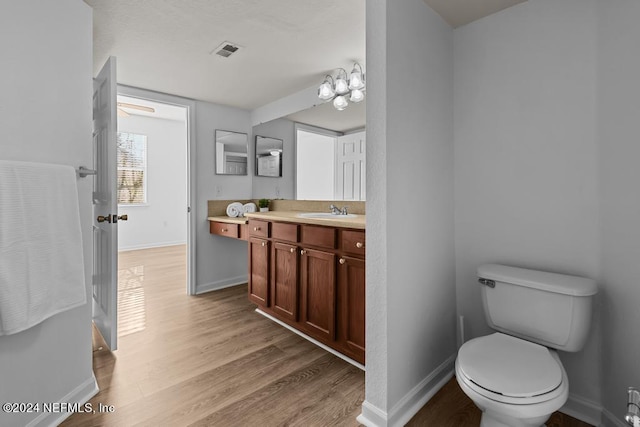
[[224, 230], [292, 250], [301, 251], [264, 243], [256, 228], [359, 245], [342, 260]]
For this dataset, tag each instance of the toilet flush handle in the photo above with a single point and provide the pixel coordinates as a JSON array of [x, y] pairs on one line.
[[487, 282]]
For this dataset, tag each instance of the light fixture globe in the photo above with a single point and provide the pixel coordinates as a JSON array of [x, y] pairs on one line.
[[325, 90], [356, 95], [340, 103], [356, 78], [342, 86]]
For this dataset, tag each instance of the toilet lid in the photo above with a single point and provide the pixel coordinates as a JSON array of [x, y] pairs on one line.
[[509, 366]]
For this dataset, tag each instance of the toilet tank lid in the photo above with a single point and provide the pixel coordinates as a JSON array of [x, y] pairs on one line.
[[543, 280]]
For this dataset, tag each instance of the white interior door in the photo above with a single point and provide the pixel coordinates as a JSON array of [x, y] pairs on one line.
[[350, 167], [105, 205]]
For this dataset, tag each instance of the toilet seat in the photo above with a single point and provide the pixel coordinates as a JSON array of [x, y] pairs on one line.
[[510, 370]]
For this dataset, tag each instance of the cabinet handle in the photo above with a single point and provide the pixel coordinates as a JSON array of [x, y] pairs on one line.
[[256, 228], [292, 250], [302, 252], [342, 260], [264, 243], [359, 245]]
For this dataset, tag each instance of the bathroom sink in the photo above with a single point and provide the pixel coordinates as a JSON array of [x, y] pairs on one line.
[[324, 215]]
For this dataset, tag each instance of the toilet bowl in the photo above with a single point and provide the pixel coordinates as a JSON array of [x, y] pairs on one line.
[[515, 375], [514, 382]]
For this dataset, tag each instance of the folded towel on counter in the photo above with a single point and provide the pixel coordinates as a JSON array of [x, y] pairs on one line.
[[235, 209], [249, 207], [41, 258]]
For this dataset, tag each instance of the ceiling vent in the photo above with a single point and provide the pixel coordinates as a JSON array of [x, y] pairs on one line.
[[226, 49]]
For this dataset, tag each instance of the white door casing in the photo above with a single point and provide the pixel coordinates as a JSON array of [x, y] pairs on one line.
[[350, 167], [105, 205]]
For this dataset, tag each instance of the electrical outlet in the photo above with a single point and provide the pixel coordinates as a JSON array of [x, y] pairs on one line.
[[218, 190]]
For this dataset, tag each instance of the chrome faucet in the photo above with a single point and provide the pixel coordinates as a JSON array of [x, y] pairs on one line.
[[336, 211]]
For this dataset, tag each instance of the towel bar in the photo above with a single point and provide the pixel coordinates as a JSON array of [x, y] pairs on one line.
[[84, 172]]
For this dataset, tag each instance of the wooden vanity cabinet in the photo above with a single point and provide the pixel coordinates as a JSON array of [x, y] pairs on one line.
[[312, 278], [259, 270]]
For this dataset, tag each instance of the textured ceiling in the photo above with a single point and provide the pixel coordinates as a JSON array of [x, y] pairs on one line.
[[461, 12], [287, 46]]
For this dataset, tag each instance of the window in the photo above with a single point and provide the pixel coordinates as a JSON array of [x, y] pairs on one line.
[[132, 168]]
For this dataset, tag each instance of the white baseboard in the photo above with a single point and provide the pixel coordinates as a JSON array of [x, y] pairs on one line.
[[81, 395], [150, 246], [412, 402], [221, 284], [583, 409], [308, 338], [612, 420]]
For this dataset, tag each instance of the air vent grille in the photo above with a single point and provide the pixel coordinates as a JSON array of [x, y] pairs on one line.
[[226, 49]]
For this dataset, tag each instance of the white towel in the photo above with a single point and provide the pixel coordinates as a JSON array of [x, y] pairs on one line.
[[249, 207], [235, 209], [41, 259]]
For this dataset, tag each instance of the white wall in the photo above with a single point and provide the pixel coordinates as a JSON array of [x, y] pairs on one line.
[[526, 176], [619, 114], [274, 188], [45, 116], [163, 220], [220, 261], [315, 166], [410, 264]]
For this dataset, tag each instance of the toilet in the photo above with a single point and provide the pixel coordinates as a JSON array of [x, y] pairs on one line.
[[515, 375]]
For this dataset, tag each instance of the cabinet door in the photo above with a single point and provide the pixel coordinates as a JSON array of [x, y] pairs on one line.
[[284, 280], [318, 283], [259, 271], [351, 305]]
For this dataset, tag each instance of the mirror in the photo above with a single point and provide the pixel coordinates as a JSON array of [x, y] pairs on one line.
[[231, 152], [268, 156]]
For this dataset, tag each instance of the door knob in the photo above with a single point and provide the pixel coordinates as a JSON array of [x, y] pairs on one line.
[[123, 217], [104, 218]]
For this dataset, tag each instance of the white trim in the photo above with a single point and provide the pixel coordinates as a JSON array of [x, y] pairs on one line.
[[411, 402], [192, 195], [308, 338], [301, 100], [150, 246], [221, 284], [612, 420], [583, 409], [81, 394]]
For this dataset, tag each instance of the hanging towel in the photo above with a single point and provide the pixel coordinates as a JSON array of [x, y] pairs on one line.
[[41, 259], [235, 209]]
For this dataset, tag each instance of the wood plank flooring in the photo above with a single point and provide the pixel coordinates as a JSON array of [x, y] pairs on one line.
[[210, 360]]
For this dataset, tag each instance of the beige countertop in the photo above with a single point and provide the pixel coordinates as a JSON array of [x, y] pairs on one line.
[[358, 221], [228, 219]]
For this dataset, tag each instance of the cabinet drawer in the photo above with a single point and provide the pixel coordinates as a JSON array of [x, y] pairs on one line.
[[284, 231], [259, 228], [324, 237], [353, 242], [224, 229]]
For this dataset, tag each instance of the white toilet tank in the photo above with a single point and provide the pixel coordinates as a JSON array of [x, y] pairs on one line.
[[550, 309]]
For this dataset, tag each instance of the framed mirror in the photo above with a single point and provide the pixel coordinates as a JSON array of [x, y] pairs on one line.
[[268, 156], [231, 152]]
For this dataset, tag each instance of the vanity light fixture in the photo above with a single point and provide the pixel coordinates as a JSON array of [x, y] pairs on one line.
[[344, 86]]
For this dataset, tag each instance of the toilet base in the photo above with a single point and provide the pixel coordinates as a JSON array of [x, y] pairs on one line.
[[492, 419]]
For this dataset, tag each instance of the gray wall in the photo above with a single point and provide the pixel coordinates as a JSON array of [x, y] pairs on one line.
[[275, 188], [526, 157], [220, 261], [47, 62], [619, 127], [410, 264]]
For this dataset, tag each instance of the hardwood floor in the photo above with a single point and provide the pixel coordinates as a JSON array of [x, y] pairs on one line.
[[210, 360]]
